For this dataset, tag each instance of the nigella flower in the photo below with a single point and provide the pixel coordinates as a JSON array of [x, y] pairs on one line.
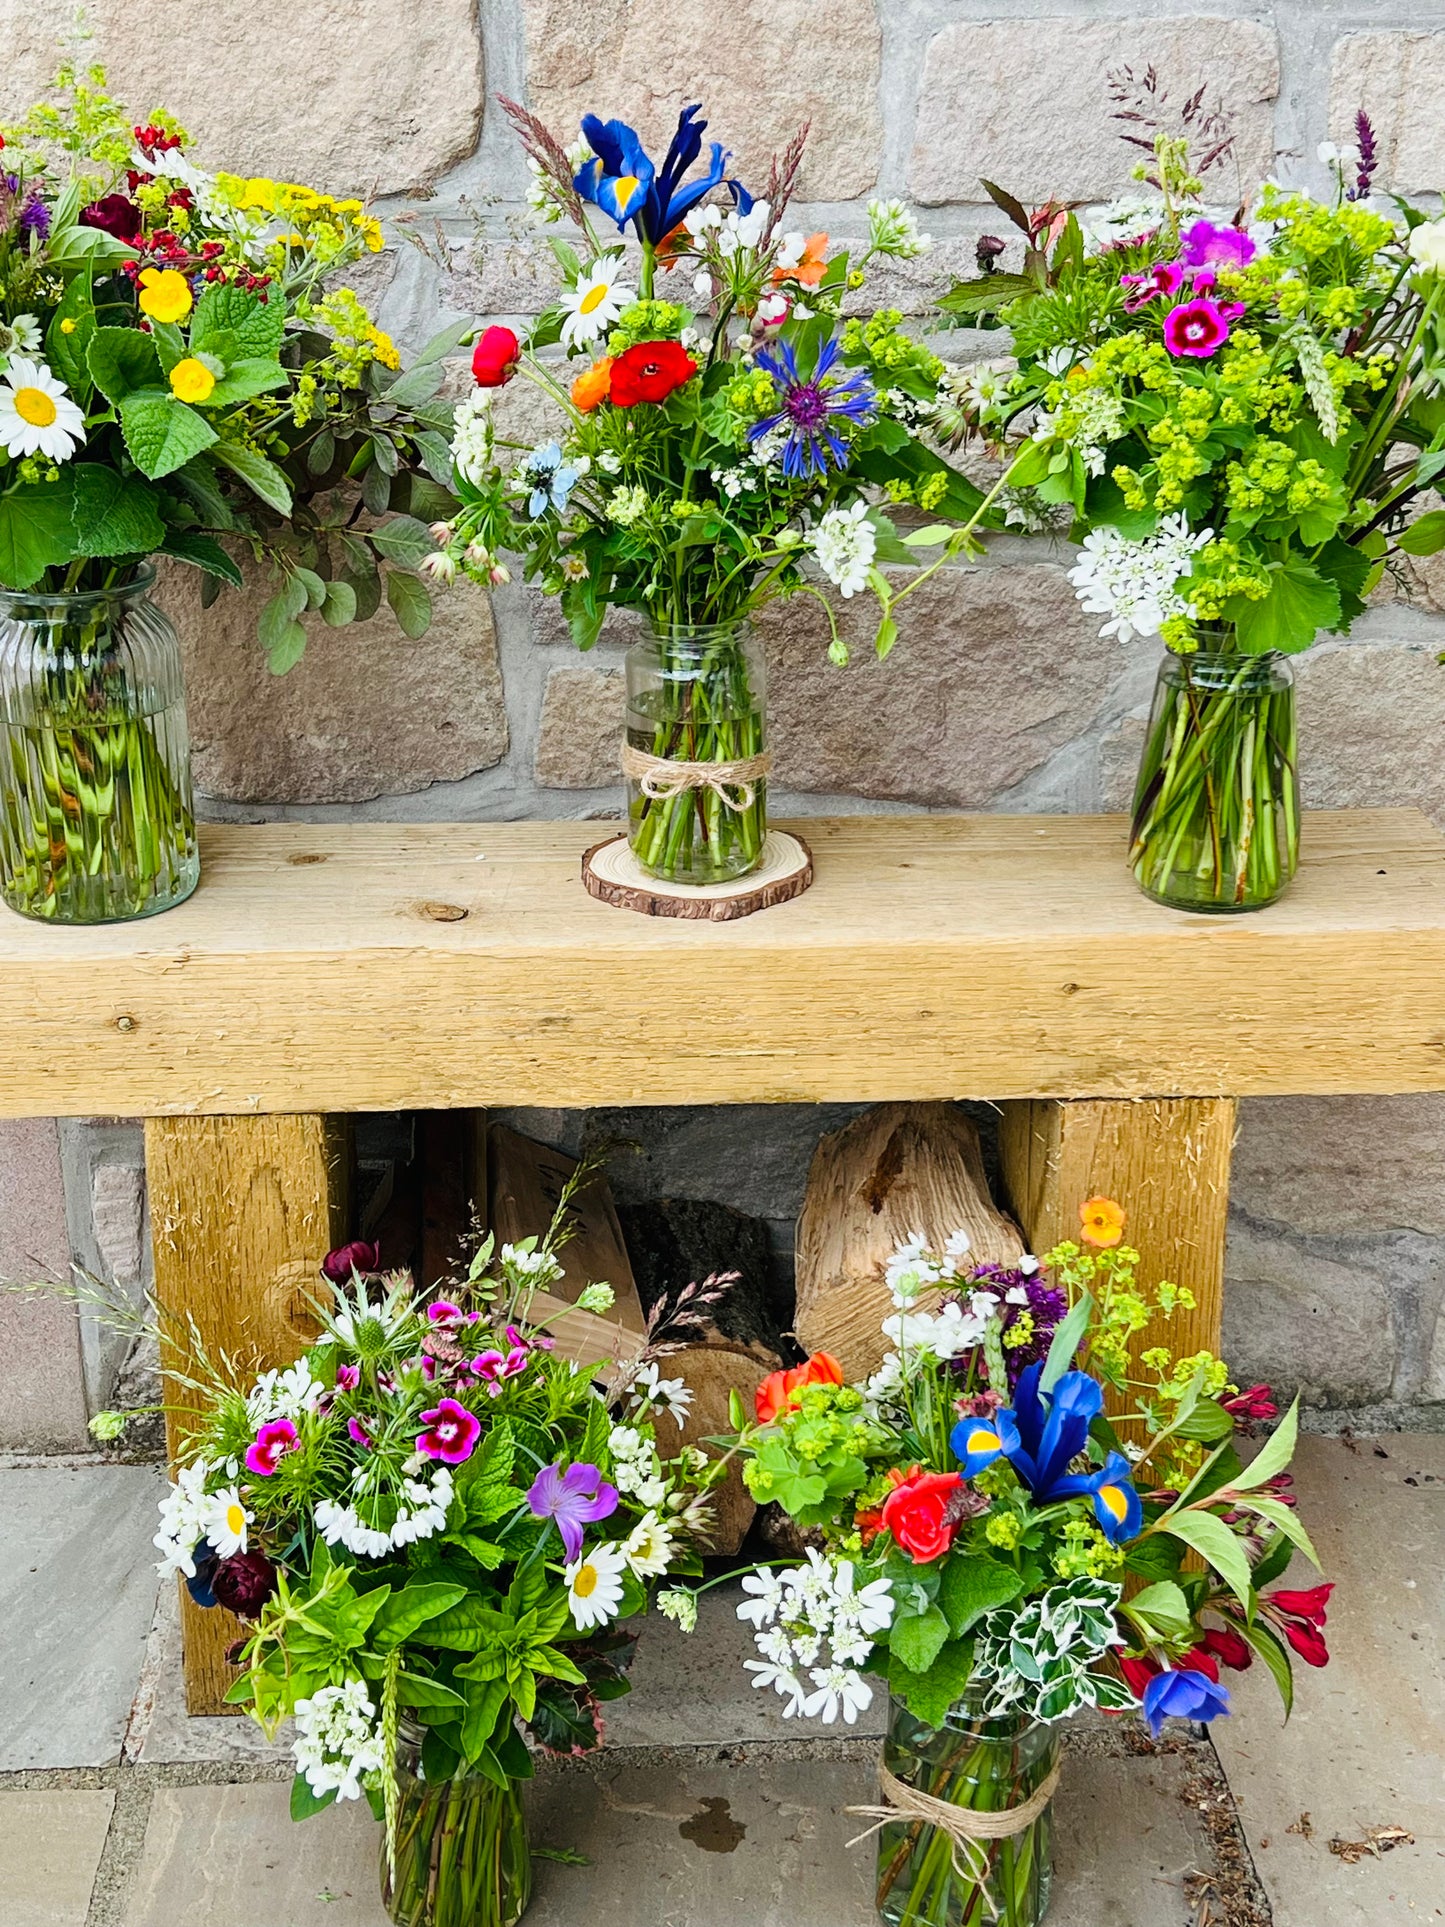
[[809, 405], [1164, 278], [578, 1497], [1206, 246], [622, 180], [549, 479]]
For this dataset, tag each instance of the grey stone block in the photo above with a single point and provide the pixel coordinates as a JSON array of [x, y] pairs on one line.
[[50, 1847], [42, 1385]]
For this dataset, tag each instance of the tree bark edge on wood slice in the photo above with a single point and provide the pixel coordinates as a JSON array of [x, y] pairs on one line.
[[612, 874]]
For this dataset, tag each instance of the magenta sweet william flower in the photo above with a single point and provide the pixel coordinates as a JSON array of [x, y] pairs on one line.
[[1206, 246], [441, 1311], [495, 1368], [348, 1377], [578, 1497], [1164, 278], [358, 1434], [270, 1445], [1199, 328], [452, 1432]]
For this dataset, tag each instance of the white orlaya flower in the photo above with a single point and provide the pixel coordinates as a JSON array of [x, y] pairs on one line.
[[594, 1586], [37, 415], [337, 1740], [783, 1680], [594, 304], [845, 543], [1137, 583], [840, 1690], [765, 1597]]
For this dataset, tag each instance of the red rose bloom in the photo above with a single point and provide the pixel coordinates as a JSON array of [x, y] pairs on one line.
[[495, 358], [916, 1513], [650, 372]]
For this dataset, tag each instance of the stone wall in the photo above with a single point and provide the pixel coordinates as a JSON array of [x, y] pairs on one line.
[[998, 695]]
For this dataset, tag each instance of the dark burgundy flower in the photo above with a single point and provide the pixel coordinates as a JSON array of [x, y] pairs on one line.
[[360, 1255], [243, 1583], [1369, 155], [116, 214], [987, 252]]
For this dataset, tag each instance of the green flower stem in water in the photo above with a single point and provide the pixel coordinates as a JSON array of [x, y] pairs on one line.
[[462, 1858], [1216, 809]]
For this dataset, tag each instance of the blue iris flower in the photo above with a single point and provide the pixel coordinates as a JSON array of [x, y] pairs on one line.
[[1117, 1506], [551, 483], [809, 405], [1183, 1695], [977, 1442], [624, 182]]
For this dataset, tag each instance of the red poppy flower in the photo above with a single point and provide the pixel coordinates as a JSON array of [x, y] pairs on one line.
[[650, 372], [495, 358], [780, 1391], [916, 1513]]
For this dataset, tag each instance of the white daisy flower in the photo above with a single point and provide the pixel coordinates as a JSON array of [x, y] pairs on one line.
[[20, 336], [594, 1586], [595, 303], [648, 1547], [672, 1394], [37, 416], [226, 1525]]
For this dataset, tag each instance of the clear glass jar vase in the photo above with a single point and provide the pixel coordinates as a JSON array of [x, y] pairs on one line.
[[927, 1878], [96, 819], [695, 757], [1216, 808], [462, 1857]]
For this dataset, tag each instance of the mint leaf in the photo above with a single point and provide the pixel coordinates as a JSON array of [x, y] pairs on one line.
[[243, 379], [114, 514], [202, 552], [122, 360], [236, 324], [930, 1694], [973, 1587], [917, 1640], [161, 433], [36, 532]]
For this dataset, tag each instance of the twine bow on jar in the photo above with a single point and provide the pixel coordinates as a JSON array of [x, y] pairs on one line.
[[663, 777], [966, 1827]]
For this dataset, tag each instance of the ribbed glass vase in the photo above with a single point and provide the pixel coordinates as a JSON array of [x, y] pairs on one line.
[[96, 818], [462, 1857]]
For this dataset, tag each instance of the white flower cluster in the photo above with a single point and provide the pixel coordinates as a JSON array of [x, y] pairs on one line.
[[472, 436], [950, 1331], [423, 1512], [535, 1268], [794, 1613], [337, 1740], [636, 1468], [680, 1607], [1134, 583], [284, 1394], [892, 229], [912, 1269], [1091, 419], [1122, 221], [671, 1395], [844, 543]]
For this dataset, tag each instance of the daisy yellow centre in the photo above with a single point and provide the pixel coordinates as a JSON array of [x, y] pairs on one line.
[[33, 405], [191, 380], [585, 1584], [235, 1520], [593, 298]]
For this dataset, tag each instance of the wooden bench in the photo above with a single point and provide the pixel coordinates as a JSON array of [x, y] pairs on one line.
[[323, 970]]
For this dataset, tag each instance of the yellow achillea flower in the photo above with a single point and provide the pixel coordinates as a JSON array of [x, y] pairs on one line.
[[383, 347], [192, 380], [165, 294]]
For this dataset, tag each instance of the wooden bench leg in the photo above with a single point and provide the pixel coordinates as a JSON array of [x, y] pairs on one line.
[[1165, 1159], [242, 1211]]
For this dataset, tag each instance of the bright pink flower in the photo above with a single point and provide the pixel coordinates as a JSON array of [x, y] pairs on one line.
[[495, 1368], [1208, 246], [271, 1444], [443, 1312], [348, 1377], [1198, 328], [452, 1432], [1166, 277], [359, 1433]]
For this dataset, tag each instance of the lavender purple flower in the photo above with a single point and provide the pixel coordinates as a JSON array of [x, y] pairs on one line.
[[578, 1497]]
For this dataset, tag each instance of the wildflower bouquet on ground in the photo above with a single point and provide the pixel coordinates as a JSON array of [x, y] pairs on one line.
[[723, 425], [434, 1524], [1237, 415], [986, 1540]]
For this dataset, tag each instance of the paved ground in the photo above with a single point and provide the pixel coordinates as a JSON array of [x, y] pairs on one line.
[[116, 1811]]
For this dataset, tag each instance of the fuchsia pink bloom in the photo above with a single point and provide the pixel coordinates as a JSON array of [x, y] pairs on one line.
[[494, 1368], [271, 1444], [1166, 277], [348, 1377], [359, 1433], [1207, 246], [443, 1312], [452, 1432], [1200, 327]]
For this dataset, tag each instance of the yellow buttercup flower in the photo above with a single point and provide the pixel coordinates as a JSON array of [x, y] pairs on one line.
[[165, 294], [192, 380]]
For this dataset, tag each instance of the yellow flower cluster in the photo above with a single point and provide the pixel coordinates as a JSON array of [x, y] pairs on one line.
[[1221, 570], [1086, 1551], [1275, 478], [319, 223]]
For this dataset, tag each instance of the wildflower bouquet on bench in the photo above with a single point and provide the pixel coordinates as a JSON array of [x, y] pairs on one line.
[[1237, 414], [990, 1546], [722, 421], [435, 1525]]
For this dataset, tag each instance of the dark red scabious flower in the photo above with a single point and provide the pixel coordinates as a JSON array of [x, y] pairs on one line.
[[1257, 1402], [243, 1583], [1230, 1647], [495, 358], [361, 1255], [1300, 1616], [650, 371], [114, 214]]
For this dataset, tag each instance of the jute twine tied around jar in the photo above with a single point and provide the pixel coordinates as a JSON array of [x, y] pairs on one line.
[[965, 1826], [662, 778]]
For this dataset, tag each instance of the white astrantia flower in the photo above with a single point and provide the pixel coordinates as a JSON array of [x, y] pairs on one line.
[[594, 1586], [185, 1519], [648, 1548], [37, 415], [744, 230], [840, 1690], [845, 542], [1126, 219], [337, 1739], [680, 1607], [1134, 583], [594, 304], [227, 1522], [892, 229]]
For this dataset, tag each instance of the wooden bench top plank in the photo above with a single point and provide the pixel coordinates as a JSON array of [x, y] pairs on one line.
[[324, 967]]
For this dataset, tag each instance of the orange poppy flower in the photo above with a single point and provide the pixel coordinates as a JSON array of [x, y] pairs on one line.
[[593, 385], [1103, 1222], [810, 269], [781, 1391]]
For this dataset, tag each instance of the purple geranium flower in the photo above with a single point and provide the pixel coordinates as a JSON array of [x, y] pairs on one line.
[[808, 407], [1207, 246], [1183, 1695], [578, 1497]]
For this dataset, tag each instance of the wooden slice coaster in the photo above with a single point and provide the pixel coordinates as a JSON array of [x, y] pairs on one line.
[[611, 873]]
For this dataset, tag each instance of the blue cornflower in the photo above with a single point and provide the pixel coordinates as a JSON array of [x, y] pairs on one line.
[[625, 183], [809, 405], [551, 482]]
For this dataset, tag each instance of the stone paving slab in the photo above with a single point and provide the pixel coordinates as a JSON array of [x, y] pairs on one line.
[[163, 1733], [77, 1591], [1365, 1746], [50, 1847]]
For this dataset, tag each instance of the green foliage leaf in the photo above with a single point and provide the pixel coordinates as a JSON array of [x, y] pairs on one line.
[[114, 514], [121, 360], [36, 532], [403, 539], [972, 1587], [929, 1695], [1299, 604], [67, 351], [917, 1639], [339, 607], [304, 1802], [262, 477], [1212, 1539], [243, 379], [162, 433], [402, 1612], [1273, 1456], [280, 634], [410, 603], [1425, 537], [202, 552], [1275, 1655], [415, 384], [1288, 1521], [235, 324], [1208, 1422], [986, 294], [1065, 1342], [1162, 1608]]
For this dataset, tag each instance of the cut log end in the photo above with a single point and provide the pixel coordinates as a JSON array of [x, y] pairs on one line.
[[613, 875]]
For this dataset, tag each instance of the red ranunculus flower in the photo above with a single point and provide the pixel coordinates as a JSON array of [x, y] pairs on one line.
[[495, 358], [650, 372], [916, 1512], [1229, 1646], [781, 1391]]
